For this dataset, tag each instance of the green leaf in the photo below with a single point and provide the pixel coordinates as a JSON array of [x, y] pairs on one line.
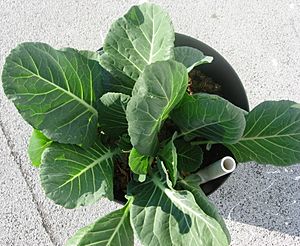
[[163, 216], [55, 91], [190, 57], [272, 135], [113, 229], [157, 91], [91, 55], [37, 144], [72, 176], [119, 82], [297, 105], [206, 205], [209, 116], [142, 36], [103, 80], [109, 83], [138, 163], [169, 155], [189, 156], [112, 116]]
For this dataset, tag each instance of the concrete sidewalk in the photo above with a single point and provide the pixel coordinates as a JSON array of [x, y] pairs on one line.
[[261, 39]]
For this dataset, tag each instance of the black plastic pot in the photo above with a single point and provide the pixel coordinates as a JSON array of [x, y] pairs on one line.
[[232, 90]]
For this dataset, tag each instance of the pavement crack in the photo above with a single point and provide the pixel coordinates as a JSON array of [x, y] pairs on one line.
[[17, 160]]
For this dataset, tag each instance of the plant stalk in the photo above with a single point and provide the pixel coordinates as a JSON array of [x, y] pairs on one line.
[[202, 142]]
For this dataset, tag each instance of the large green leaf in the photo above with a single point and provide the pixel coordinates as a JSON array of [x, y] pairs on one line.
[[72, 176], [205, 204], [209, 116], [163, 216], [37, 144], [138, 163], [142, 36], [112, 116], [109, 83], [113, 229], [189, 156], [119, 82], [157, 91], [55, 91], [190, 57], [169, 155], [272, 134]]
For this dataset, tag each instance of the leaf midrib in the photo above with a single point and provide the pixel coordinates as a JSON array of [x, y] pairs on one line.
[[166, 110], [152, 39], [267, 137], [120, 223], [168, 193], [88, 106], [90, 166]]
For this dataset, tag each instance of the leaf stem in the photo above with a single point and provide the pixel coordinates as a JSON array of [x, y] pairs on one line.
[[125, 151], [202, 142], [180, 135]]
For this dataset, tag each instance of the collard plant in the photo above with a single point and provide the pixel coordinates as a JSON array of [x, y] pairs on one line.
[[124, 122]]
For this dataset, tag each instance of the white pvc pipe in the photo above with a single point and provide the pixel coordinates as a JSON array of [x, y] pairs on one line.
[[217, 169]]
